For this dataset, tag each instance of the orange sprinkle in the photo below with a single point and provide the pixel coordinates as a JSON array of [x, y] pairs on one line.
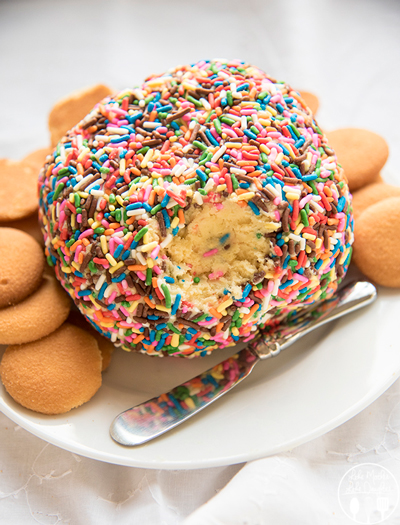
[[219, 327], [137, 268], [85, 241], [75, 246], [147, 300], [218, 111], [252, 311], [214, 168], [152, 196], [216, 314], [138, 339], [129, 221], [154, 282], [181, 216], [109, 231], [80, 257]]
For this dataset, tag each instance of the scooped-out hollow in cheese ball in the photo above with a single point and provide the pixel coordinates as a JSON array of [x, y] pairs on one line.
[[183, 215]]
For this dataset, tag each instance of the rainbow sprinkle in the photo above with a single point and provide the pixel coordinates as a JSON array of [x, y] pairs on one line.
[[117, 189]]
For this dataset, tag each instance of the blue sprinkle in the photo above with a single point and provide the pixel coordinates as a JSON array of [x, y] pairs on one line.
[[254, 208], [125, 255], [96, 165], [244, 185], [103, 158], [341, 204], [170, 280], [122, 138], [201, 175], [79, 274], [134, 244], [176, 304], [286, 284], [165, 200], [250, 134], [280, 108], [118, 250], [133, 118], [297, 172], [72, 170], [192, 330], [84, 293], [175, 231], [211, 138], [242, 87], [175, 125], [285, 150], [166, 218], [224, 238], [111, 307], [307, 178], [102, 290], [246, 291], [319, 264], [153, 317], [161, 326], [164, 109]]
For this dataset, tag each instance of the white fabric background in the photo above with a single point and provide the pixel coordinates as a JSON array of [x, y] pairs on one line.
[[346, 51]]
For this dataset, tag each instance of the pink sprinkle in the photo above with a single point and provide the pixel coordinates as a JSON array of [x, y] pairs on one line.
[[215, 275], [300, 277], [210, 253], [154, 253], [124, 311], [304, 201], [111, 245], [141, 276], [86, 233], [157, 270], [77, 252], [147, 192], [79, 218], [112, 297]]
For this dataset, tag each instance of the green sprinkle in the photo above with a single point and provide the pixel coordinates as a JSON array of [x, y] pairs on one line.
[[304, 218], [201, 318], [92, 267], [58, 190], [100, 230], [194, 101], [118, 215], [229, 98], [156, 209], [196, 280], [77, 200], [172, 327], [235, 183], [143, 150], [227, 120], [167, 295], [149, 274], [217, 126], [140, 233], [199, 145], [190, 181]]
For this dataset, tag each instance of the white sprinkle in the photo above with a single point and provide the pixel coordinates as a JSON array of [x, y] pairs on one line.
[[166, 241], [218, 154], [100, 282]]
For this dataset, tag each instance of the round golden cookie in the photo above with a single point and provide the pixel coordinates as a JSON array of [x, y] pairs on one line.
[[21, 266], [311, 100], [371, 194], [29, 225], [67, 112], [106, 347], [376, 245], [18, 190], [55, 374], [361, 153], [37, 316], [37, 158]]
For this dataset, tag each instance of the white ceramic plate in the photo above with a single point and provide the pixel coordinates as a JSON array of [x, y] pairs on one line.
[[311, 388]]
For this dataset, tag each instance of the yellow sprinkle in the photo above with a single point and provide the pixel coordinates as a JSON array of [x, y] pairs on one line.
[[344, 256], [75, 265], [83, 194], [308, 249], [71, 198], [175, 340], [147, 182], [95, 225], [230, 145], [318, 243], [83, 153], [111, 259], [149, 247], [264, 149], [298, 229], [116, 267], [325, 264], [279, 158], [309, 236], [292, 196], [56, 239], [103, 244], [206, 336], [133, 306], [72, 221], [90, 221], [146, 158], [246, 196], [173, 138], [224, 305], [146, 238], [175, 222], [119, 199], [66, 270], [107, 324], [264, 122], [98, 307], [190, 403], [221, 187], [162, 308], [122, 166], [126, 237], [235, 331], [150, 262], [271, 110]]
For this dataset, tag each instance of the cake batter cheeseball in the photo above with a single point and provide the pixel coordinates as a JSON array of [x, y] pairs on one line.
[[184, 214]]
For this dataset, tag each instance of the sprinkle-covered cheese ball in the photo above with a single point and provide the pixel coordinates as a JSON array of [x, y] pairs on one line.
[[184, 214]]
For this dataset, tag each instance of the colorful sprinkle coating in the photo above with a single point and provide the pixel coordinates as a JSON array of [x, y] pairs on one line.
[[122, 187]]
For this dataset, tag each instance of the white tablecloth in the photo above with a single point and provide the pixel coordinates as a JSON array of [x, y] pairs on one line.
[[346, 51]]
